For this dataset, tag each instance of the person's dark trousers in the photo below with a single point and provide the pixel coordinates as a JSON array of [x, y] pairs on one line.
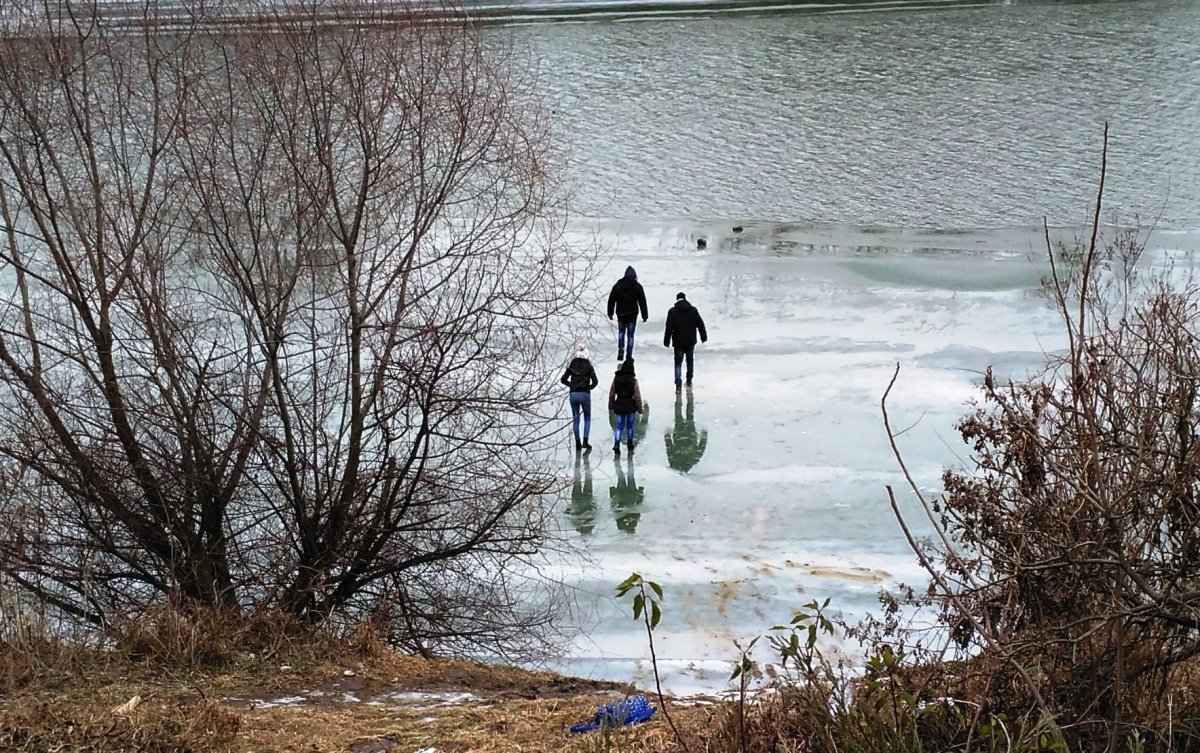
[[680, 355], [625, 327]]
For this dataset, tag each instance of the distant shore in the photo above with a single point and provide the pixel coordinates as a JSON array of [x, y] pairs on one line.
[[170, 15]]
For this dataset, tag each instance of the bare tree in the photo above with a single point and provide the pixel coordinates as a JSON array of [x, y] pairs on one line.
[[1069, 549], [279, 296]]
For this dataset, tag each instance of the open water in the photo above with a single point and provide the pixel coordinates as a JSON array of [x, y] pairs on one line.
[[890, 170]]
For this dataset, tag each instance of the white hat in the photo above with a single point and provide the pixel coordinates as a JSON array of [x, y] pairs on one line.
[[582, 352]]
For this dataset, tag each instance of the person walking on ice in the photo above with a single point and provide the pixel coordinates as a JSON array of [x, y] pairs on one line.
[[625, 400], [625, 300], [683, 323], [580, 379]]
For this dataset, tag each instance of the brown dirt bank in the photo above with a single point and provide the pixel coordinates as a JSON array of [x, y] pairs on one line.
[[385, 702]]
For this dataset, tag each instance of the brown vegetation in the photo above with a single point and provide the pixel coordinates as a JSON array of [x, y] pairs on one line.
[[275, 298], [1064, 557], [210, 692]]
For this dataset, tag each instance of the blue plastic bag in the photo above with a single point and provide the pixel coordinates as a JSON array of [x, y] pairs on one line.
[[620, 714]]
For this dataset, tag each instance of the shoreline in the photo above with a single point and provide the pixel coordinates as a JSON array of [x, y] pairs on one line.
[[365, 704]]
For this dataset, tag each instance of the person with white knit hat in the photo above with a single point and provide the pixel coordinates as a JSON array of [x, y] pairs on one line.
[[580, 379]]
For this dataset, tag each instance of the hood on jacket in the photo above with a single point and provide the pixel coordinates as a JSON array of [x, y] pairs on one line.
[[626, 367], [682, 303], [630, 273]]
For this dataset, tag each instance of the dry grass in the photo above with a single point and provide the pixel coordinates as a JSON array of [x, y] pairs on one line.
[[46, 724], [186, 710], [488, 727], [207, 637], [513, 711], [188, 672]]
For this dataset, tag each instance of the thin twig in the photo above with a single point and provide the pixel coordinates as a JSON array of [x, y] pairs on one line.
[[662, 701], [1091, 254], [887, 425], [1059, 295], [928, 566]]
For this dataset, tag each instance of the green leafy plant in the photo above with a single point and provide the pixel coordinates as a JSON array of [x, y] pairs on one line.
[[796, 642], [646, 607], [744, 669]]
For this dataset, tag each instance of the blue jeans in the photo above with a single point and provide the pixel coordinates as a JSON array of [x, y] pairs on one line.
[[624, 426], [581, 402], [625, 326], [680, 354]]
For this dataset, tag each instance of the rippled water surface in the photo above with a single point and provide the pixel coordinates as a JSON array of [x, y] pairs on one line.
[[952, 118]]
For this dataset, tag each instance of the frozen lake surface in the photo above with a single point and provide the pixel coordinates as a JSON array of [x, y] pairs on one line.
[[764, 486], [891, 171]]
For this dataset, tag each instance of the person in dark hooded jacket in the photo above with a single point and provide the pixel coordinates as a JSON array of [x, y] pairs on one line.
[[625, 300], [625, 400], [683, 324], [580, 378]]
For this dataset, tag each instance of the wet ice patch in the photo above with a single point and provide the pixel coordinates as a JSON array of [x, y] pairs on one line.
[[789, 473], [419, 699], [288, 700], [405, 698]]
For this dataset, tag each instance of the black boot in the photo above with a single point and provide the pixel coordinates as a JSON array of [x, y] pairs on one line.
[[620, 355], [617, 449]]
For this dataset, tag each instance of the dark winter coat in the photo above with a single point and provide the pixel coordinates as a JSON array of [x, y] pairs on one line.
[[625, 396], [627, 297], [580, 376], [683, 322]]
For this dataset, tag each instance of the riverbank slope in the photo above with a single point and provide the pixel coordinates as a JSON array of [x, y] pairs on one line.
[[312, 701]]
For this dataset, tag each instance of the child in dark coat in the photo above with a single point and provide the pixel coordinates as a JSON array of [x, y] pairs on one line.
[[624, 400]]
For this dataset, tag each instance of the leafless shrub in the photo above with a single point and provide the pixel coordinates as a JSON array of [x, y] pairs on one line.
[[1065, 554], [277, 299]]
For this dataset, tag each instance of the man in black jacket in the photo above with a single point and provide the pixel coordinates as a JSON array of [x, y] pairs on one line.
[[625, 299], [683, 323]]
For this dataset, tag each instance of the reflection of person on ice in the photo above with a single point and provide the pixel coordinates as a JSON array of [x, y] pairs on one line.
[[582, 510], [624, 400], [625, 300], [626, 497], [685, 446]]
